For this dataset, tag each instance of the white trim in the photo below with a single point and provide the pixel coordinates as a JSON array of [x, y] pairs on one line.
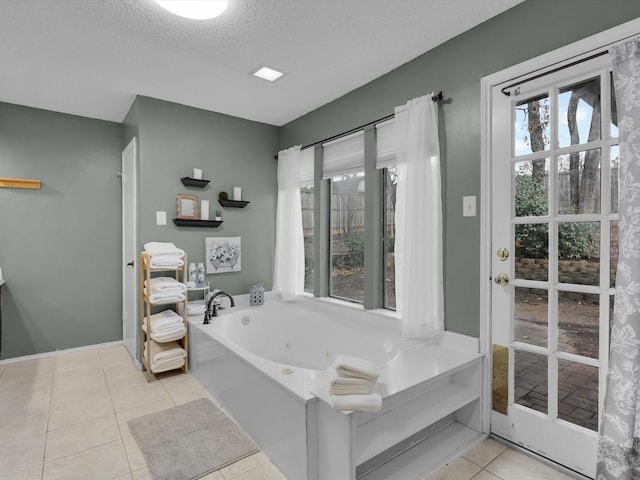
[[541, 63], [60, 352]]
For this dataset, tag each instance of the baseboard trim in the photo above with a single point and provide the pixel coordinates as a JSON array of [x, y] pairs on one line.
[[60, 352]]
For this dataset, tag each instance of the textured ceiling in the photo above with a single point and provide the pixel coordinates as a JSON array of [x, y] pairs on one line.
[[92, 57]]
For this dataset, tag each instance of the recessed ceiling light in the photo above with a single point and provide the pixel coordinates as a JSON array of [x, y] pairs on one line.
[[267, 73], [194, 9]]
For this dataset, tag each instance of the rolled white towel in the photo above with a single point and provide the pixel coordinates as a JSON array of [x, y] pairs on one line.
[[165, 284], [347, 385], [163, 248], [354, 367], [371, 402]]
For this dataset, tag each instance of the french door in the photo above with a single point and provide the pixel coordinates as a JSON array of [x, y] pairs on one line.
[[554, 194]]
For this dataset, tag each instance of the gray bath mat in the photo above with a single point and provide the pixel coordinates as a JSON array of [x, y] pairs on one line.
[[189, 441]]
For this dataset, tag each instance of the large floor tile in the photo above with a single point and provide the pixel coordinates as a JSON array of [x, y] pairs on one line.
[[82, 386], [73, 439], [34, 473], [512, 465], [213, 476], [78, 361], [123, 378], [483, 453], [22, 454], [266, 471], [142, 474], [63, 414], [134, 454], [244, 465], [124, 416], [484, 475], [105, 462], [24, 417], [459, 469], [138, 396]]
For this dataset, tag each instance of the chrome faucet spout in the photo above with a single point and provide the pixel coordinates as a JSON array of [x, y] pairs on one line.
[[213, 307]]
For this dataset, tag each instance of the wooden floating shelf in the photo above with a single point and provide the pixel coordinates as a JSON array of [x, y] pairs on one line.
[[233, 203], [182, 222], [20, 183]]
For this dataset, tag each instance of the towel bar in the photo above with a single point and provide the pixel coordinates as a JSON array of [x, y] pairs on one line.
[[20, 183]]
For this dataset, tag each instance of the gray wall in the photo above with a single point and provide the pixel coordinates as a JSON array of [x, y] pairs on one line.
[[173, 139], [530, 29], [59, 246]]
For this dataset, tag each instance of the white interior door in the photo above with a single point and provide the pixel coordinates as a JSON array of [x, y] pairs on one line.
[[129, 289], [554, 251]]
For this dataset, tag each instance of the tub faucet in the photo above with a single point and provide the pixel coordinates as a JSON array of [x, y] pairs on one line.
[[213, 307]]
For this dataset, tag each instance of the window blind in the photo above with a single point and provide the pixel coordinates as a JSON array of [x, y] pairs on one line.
[[386, 144], [343, 155]]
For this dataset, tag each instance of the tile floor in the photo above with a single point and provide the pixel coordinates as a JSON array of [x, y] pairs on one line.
[[65, 417]]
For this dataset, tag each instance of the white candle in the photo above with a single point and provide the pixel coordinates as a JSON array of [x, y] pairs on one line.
[[197, 173], [204, 210], [237, 193]]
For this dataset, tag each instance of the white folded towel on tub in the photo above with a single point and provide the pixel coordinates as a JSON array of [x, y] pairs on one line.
[[354, 367], [347, 385], [371, 402]]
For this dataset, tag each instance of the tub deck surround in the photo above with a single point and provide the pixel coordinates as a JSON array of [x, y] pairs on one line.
[[266, 366]]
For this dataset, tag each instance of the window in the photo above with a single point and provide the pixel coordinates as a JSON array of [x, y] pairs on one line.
[[389, 181], [347, 237], [343, 166], [386, 160], [307, 201]]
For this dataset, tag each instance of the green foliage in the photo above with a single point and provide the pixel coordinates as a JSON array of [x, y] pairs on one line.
[[575, 240], [355, 244], [223, 196]]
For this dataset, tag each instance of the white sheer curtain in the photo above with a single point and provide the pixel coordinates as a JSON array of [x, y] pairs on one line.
[[288, 271], [619, 442], [418, 245]]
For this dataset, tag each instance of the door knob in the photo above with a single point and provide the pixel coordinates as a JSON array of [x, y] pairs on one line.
[[502, 279], [503, 254]]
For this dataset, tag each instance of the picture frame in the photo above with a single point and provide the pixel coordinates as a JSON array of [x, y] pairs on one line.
[[187, 207], [223, 254]]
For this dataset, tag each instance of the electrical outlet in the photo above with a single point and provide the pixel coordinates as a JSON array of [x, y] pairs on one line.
[[469, 206]]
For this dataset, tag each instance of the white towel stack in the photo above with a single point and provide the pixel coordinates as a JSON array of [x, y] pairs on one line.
[[165, 290], [164, 255], [165, 356], [352, 383], [196, 307], [166, 326]]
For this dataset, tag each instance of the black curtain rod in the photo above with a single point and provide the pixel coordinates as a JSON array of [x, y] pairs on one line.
[[557, 69], [436, 98]]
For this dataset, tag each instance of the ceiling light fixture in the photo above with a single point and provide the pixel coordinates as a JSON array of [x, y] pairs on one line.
[[194, 9], [268, 73]]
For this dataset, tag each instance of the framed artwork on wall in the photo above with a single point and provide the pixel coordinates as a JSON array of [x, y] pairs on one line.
[[222, 254]]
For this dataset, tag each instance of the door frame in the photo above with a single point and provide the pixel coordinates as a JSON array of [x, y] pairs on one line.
[[130, 236], [540, 64]]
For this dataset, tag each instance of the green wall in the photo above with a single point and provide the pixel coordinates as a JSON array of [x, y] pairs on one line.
[[456, 67], [59, 246], [173, 139]]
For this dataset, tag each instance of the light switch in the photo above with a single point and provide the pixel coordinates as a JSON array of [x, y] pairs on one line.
[[469, 206], [161, 218]]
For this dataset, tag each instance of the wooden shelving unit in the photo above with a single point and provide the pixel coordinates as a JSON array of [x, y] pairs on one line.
[[147, 309]]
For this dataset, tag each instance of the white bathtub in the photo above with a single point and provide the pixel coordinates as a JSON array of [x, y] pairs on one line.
[[266, 366]]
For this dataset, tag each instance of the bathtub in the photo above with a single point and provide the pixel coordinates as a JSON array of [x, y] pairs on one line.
[[266, 367]]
